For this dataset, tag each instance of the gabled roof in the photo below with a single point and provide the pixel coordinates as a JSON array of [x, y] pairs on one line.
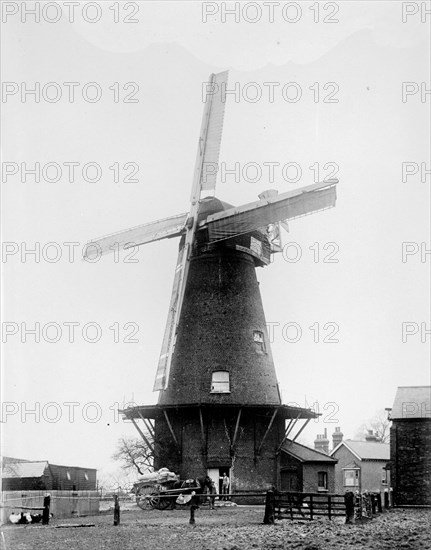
[[365, 450], [305, 454], [351, 466], [412, 402], [24, 469]]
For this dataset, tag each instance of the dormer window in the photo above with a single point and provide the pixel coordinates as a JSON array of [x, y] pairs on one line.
[[220, 382], [259, 340]]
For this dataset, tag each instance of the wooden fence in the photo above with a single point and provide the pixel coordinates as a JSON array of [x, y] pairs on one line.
[[63, 503], [304, 506]]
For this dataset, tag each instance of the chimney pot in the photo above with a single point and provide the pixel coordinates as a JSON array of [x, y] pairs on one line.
[[337, 437]]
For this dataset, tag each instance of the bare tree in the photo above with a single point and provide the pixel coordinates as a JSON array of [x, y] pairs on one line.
[[134, 454], [379, 424], [117, 481]]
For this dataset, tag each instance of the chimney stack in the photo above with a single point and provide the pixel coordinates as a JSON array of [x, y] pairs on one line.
[[337, 437], [371, 437], [321, 443]]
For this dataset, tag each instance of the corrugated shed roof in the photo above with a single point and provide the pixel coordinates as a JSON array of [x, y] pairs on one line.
[[24, 469], [366, 450], [305, 454], [412, 402]]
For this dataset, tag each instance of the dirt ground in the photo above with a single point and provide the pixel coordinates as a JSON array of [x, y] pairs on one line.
[[238, 528]]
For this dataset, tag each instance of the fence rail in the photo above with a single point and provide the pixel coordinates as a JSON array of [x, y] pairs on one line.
[[63, 503], [306, 506]]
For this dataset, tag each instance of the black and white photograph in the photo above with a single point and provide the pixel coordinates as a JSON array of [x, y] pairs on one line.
[[215, 275]]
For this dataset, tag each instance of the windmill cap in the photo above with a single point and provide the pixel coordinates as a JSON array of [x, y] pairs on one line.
[[211, 205]]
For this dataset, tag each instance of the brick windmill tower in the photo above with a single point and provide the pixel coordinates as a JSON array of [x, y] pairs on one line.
[[219, 407]]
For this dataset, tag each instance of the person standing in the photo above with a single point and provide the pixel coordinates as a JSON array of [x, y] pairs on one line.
[[225, 486]]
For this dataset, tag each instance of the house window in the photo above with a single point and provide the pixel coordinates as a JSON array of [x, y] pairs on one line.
[[322, 481], [351, 478], [86, 476], [385, 477], [68, 475], [259, 340], [220, 382]]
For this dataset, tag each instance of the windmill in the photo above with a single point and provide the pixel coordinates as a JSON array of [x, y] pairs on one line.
[[219, 402]]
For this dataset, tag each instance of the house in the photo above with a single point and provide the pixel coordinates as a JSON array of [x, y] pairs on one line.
[[305, 469], [411, 446], [19, 474], [361, 465]]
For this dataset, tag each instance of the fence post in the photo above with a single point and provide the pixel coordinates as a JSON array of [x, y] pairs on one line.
[[379, 502], [269, 508], [193, 507], [373, 503], [311, 507], [46, 506], [349, 502], [386, 499], [116, 511], [329, 507]]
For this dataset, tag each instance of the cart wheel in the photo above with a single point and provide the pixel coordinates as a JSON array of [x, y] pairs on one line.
[[159, 503], [143, 497]]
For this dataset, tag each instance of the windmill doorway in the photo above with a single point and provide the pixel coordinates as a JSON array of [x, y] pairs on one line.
[[216, 474]]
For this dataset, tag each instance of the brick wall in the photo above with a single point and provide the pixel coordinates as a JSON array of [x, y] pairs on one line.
[[310, 477], [411, 461], [194, 456], [306, 473], [221, 310]]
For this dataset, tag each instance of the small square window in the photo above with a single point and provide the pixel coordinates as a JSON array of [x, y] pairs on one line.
[[68, 475], [86, 476], [258, 336], [259, 340], [220, 382]]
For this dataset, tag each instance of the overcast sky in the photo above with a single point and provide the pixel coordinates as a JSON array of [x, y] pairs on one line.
[[366, 295]]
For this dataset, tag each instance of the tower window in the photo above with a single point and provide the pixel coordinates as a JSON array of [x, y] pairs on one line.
[[220, 382], [259, 340]]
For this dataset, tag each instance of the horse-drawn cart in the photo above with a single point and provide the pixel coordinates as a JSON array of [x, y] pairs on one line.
[[164, 489]]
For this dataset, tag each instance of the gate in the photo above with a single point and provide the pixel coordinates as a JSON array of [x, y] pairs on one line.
[[305, 506]]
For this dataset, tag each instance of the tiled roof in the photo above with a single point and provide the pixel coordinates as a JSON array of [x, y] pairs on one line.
[[305, 454], [24, 469], [412, 402], [366, 450]]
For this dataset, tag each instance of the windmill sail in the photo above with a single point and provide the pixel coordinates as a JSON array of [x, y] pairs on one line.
[[168, 338], [207, 155], [255, 215], [141, 234], [216, 92]]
